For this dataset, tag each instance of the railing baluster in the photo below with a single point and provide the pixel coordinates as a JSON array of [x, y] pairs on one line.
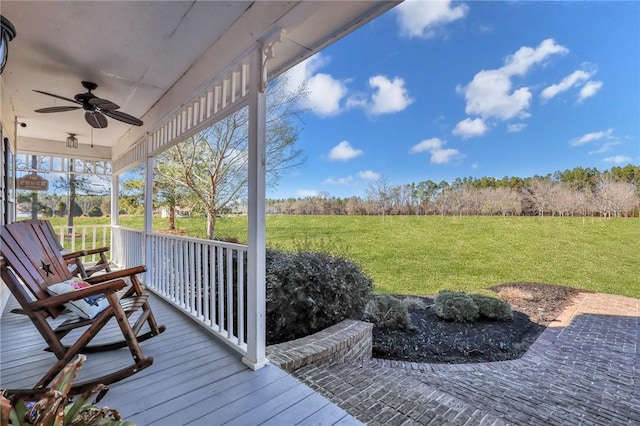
[[220, 288], [212, 284], [229, 267], [198, 278], [240, 307]]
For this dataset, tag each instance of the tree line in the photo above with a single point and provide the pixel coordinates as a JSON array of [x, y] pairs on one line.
[[576, 192]]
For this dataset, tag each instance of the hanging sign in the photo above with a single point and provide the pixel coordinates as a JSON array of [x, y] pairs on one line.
[[32, 182]]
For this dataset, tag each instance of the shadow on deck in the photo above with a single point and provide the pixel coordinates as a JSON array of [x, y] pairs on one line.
[[194, 380]]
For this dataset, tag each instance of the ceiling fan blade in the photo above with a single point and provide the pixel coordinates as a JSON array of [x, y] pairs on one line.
[[58, 109], [103, 104], [95, 119], [58, 96], [125, 118]]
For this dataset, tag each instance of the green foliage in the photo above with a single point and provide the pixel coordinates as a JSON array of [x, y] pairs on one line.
[[307, 292], [458, 307], [46, 211], [492, 307], [54, 407], [94, 211], [77, 210], [387, 311], [61, 208], [461, 307]]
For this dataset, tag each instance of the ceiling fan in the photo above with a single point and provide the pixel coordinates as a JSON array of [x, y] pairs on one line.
[[95, 108]]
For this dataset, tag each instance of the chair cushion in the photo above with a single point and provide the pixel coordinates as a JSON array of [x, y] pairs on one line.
[[71, 263], [88, 307]]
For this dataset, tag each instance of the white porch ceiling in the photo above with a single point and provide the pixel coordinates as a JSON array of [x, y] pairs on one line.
[[147, 57]]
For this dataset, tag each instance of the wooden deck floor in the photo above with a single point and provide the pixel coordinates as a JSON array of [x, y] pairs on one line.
[[194, 380]]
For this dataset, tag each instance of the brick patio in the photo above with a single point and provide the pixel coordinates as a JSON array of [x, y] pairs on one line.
[[584, 369]]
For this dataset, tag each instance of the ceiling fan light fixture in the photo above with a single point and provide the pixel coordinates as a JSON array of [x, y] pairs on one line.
[[8, 33], [72, 141]]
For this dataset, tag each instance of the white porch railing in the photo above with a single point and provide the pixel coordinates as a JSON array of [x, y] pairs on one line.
[[205, 279], [84, 237], [127, 247]]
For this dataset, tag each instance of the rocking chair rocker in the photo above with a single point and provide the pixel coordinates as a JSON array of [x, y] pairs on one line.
[[42, 284]]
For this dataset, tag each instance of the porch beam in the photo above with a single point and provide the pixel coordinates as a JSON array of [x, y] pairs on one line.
[[256, 250]]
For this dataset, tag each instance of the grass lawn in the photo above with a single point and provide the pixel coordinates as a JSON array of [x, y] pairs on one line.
[[424, 254]]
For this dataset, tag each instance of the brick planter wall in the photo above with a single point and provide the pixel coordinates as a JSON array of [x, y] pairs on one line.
[[348, 340]]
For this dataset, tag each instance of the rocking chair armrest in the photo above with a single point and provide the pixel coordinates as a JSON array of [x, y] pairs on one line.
[[116, 274], [104, 288], [74, 255], [98, 250]]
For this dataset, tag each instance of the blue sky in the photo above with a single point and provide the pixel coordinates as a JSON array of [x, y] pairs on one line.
[[438, 90]]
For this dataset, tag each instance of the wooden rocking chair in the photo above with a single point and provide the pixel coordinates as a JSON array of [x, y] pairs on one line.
[[75, 259], [32, 268]]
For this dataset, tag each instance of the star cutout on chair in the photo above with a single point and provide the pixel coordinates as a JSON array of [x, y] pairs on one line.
[[46, 267]]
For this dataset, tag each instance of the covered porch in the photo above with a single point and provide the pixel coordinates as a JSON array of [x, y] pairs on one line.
[[179, 67], [195, 379]]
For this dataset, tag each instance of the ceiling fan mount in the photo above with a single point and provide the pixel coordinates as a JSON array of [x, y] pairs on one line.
[[96, 109]]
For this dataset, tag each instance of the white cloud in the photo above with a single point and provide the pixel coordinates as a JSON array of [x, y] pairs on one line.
[[368, 175], [427, 145], [520, 62], [617, 159], [324, 92], [344, 152], [573, 79], [439, 155], [606, 147], [589, 90], [327, 96], [304, 193], [469, 128], [490, 93], [391, 95], [424, 18], [516, 127], [339, 181], [590, 137]]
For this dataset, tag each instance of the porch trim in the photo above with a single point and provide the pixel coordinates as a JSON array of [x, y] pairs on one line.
[[217, 100]]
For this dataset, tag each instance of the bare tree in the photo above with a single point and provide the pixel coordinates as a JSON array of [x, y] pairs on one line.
[[213, 162], [379, 195], [616, 198], [542, 195]]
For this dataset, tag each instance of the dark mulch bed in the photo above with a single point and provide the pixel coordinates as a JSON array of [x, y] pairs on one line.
[[434, 340]]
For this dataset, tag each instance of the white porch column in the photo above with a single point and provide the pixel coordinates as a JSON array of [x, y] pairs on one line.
[[256, 285], [115, 194], [148, 217], [115, 191]]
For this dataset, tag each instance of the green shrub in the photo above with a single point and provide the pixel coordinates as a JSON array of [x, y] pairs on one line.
[[94, 212], [492, 307], [457, 307], [388, 311], [307, 292]]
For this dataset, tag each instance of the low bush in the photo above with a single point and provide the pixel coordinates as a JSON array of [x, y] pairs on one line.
[[457, 307], [461, 307], [387, 311], [492, 307], [307, 292]]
